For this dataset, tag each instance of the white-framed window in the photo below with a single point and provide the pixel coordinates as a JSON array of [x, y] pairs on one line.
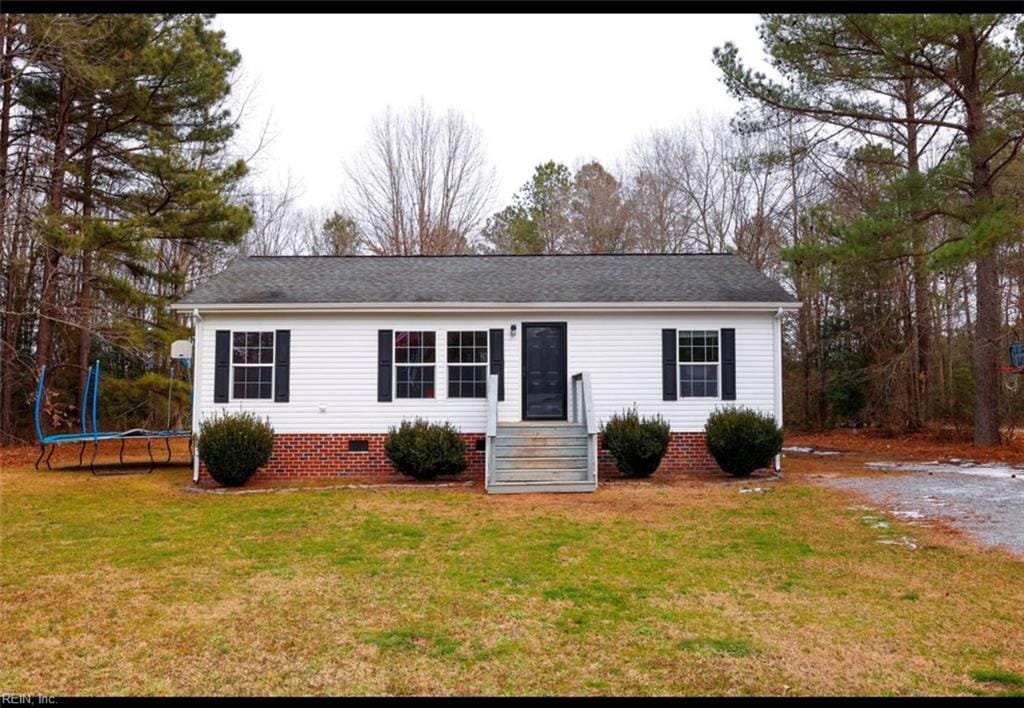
[[252, 364], [415, 354], [467, 364], [698, 363]]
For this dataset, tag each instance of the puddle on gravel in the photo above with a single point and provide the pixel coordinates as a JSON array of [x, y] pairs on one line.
[[811, 451], [971, 468]]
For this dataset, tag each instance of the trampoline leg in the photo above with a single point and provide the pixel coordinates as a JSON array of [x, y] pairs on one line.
[[52, 448], [149, 449], [92, 460], [81, 451], [168, 442], [120, 455], [42, 451]]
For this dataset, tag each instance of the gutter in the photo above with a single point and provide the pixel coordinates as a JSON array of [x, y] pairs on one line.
[[777, 383], [197, 325], [405, 307]]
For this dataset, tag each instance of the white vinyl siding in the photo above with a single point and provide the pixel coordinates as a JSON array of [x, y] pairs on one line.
[[333, 372]]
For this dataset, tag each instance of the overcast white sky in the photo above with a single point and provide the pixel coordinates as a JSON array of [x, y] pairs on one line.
[[540, 87]]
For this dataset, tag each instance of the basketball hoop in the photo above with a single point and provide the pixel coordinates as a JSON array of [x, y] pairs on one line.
[[1016, 366]]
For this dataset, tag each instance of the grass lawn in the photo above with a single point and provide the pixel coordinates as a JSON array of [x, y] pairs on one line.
[[133, 585]]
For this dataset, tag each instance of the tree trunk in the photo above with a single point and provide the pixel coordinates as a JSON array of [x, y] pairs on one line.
[[84, 306], [986, 353], [922, 322], [51, 252], [987, 296], [9, 321]]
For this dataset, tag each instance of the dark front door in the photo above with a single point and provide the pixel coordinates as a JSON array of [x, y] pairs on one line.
[[545, 371]]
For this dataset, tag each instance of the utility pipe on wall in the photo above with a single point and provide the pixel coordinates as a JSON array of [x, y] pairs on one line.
[[777, 366], [197, 326]]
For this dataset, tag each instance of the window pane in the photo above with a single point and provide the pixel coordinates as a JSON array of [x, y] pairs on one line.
[[698, 380], [467, 381], [239, 390], [429, 339], [415, 381], [453, 340]]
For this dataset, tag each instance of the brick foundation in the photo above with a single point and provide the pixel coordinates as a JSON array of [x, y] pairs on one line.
[[687, 454], [324, 456]]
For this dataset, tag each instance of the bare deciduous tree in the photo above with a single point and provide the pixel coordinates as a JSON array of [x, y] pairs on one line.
[[273, 232], [421, 185], [662, 216]]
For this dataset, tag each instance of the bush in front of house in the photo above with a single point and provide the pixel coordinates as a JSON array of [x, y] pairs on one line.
[[742, 440], [234, 445], [425, 450], [637, 443]]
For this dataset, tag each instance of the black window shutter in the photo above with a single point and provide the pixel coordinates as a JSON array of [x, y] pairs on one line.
[[222, 366], [669, 375], [384, 364], [498, 359], [282, 362], [728, 364]]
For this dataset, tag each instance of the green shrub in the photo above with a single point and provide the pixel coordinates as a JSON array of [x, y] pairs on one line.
[[742, 440], [424, 450], [636, 443], [234, 445]]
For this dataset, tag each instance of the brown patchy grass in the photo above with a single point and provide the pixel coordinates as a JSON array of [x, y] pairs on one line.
[[131, 585]]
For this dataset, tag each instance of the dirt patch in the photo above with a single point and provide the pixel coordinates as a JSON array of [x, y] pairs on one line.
[[107, 453], [924, 445]]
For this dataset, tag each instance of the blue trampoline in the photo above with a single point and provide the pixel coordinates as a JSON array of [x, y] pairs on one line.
[[90, 399]]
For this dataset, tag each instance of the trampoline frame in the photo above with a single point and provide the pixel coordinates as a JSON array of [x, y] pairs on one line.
[[90, 394]]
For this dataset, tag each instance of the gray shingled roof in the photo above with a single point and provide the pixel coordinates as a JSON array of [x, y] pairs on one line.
[[484, 279]]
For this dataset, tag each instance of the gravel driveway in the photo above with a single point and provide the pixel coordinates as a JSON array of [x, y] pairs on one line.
[[986, 501]]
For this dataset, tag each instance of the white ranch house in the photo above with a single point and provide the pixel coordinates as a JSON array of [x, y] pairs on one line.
[[526, 355]]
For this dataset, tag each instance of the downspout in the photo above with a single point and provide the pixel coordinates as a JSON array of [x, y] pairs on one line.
[[777, 367], [197, 323]]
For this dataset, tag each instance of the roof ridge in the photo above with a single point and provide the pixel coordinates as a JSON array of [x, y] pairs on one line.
[[495, 255]]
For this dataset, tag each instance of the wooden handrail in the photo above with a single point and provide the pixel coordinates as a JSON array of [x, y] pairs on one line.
[[583, 412], [492, 427]]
